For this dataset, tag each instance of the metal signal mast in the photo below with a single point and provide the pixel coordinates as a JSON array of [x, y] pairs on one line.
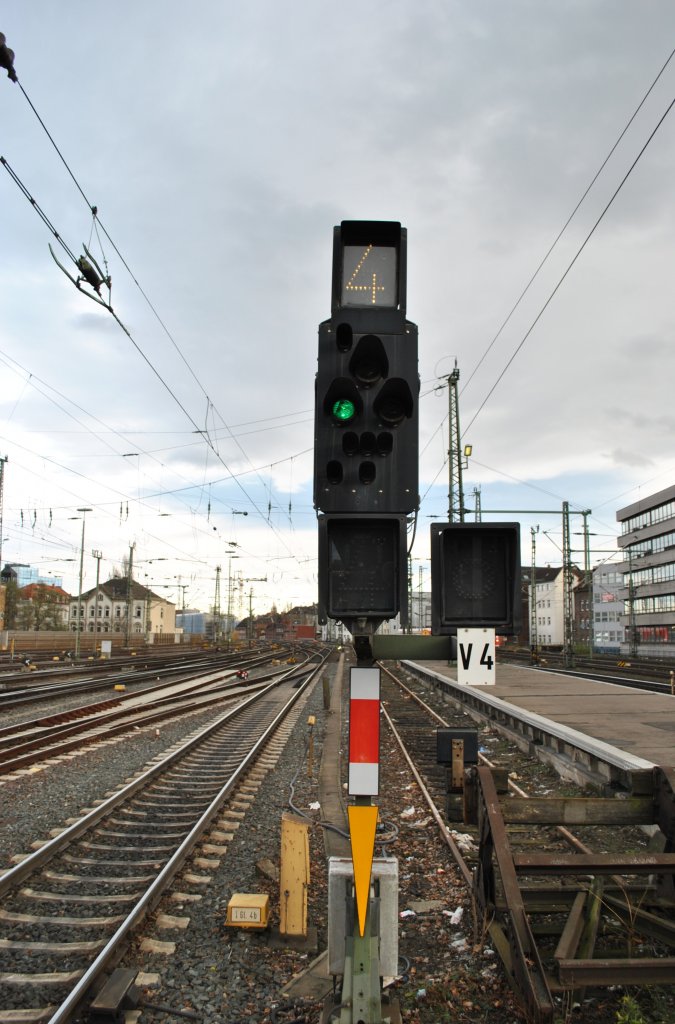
[[456, 487]]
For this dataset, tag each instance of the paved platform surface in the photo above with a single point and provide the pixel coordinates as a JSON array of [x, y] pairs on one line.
[[636, 721]]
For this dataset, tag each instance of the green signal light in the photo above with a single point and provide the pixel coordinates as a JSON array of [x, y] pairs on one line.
[[343, 410]]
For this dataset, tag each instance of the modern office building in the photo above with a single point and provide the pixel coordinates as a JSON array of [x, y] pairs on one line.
[[190, 621], [648, 543], [24, 575]]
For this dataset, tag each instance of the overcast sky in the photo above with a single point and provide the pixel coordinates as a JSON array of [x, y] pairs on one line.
[[221, 143]]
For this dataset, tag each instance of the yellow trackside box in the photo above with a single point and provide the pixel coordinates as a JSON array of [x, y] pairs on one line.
[[248, 910]]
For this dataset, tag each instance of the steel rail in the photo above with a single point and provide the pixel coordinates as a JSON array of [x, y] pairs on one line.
[[517, 945], [451, 844], [72, 734], [39, 857], [151, 897], [106, 674]]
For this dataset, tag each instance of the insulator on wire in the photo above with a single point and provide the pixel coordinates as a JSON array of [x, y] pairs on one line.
[[89, 274], [7, 58]]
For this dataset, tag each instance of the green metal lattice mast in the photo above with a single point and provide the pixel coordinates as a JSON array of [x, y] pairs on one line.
[[456, 487]]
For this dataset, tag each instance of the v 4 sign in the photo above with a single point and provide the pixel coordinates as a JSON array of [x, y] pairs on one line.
[[476, 657]]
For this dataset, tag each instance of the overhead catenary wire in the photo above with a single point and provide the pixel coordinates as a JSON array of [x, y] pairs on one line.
[[39, 384], [34, 381], [96, 224], [570, 265], [97, 221], [567, 223], [545, 259], [111, 506], [53, 142], [38, 209], [199, 430], [94, 211], [99, 505]]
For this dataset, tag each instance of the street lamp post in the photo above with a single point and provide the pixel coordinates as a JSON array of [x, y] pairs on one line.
[[130, 581], [98, 555], [79, 596]]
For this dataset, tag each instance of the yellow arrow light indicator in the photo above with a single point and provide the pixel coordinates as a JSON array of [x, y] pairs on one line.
[[362, 825]]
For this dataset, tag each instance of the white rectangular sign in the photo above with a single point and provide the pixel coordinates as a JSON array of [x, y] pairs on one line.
[[476, 657], [246, 915]]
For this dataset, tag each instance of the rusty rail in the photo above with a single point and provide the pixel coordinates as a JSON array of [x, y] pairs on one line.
[[515, 893]]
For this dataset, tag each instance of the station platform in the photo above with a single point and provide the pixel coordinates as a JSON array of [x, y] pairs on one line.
[[637, 722]]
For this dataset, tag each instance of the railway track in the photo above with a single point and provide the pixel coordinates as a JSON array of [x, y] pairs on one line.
[[646, 674], [563, 912], [59, 684], [68, 909], [24, 743]]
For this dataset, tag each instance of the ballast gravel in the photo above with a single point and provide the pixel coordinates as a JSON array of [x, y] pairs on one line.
[[215, 974], [38, 799]]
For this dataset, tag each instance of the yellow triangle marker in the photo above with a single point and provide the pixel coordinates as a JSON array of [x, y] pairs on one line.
[[362, 825]]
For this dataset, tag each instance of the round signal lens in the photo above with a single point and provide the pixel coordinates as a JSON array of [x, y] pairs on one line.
[[344, 410]]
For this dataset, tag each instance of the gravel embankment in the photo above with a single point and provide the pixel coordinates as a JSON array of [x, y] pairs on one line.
[[42, 798], [219, 975]]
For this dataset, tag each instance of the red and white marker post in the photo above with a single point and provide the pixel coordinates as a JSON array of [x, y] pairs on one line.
[[364, 732], [364, 778]]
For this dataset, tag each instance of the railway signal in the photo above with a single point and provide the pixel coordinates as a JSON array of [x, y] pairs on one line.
[[362, 563], [365, 486], [367, 384], [366, 427], [475, 576]]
